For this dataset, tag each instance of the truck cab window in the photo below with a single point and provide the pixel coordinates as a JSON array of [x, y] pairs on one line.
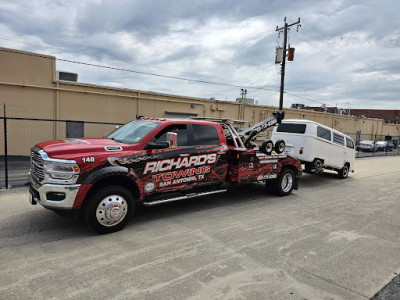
[[205, 135], [180, 129]]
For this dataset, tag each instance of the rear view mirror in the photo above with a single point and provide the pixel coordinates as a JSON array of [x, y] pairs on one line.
[[172, 139]]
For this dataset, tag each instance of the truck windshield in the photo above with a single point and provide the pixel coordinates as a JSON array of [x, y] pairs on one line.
[[133, 132]]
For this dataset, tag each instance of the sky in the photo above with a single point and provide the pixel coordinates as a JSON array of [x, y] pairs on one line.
[[347, 53]]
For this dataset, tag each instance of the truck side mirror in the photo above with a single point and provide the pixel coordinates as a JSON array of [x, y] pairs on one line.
[[172, 139]]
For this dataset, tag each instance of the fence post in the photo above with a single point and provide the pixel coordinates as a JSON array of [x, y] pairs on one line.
[[5, 148]]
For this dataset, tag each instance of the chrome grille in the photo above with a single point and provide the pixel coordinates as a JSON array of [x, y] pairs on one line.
[[37, 165]]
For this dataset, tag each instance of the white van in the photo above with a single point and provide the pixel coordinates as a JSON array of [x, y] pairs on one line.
[[317, 146]]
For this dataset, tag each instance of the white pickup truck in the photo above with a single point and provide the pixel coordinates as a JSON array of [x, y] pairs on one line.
[[317, 146]]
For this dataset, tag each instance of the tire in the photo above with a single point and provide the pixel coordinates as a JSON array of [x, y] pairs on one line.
[[318, 166], [285, 182], [344, 172], [109, 209], [267, 147], [279, 146]]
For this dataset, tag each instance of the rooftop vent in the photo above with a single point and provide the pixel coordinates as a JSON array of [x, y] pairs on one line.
[[67, 76], [297, 106]]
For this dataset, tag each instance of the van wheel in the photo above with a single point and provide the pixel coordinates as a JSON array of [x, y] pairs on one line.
[[279, 146], [109, 209], [318, 166], [267, 147], [285, 182], [344, 172]]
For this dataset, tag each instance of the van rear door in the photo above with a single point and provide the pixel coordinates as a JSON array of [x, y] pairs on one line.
[[294, 135]]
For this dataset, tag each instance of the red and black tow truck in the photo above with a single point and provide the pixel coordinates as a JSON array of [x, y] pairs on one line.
[[151, 161]]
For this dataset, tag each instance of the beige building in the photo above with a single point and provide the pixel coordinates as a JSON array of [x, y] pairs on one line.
[[30, 89]]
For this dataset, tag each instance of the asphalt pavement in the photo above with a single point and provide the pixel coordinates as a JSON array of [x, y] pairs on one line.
[[331, 239]]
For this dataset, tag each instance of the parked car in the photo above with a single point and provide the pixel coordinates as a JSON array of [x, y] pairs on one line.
[[384, 145], [317, 146], [366, 146]]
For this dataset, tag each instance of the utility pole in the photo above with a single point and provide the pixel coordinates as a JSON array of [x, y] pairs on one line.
[[285, 30]]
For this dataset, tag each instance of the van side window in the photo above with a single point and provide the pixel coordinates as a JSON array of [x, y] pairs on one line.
[[349, 143], [338, 139], [291, 128], [323, 133]]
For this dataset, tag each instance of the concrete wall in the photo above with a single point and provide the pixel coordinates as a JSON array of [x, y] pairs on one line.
[[29, 89]]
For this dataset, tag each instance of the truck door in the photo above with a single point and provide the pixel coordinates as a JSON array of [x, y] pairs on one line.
[[207, 142], [195, 161]]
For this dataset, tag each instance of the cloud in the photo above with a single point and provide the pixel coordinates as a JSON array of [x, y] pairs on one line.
[[346, 52]]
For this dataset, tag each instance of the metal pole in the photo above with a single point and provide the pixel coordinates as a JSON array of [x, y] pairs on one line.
[[283, 66], [5, 148]]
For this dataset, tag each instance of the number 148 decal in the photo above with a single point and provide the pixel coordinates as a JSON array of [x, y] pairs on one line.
[[88, 159]]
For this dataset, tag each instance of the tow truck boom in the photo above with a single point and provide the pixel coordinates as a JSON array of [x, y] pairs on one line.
[[249, 133]]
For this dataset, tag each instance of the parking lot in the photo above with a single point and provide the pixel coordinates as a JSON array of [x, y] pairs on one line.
[[331, 239]]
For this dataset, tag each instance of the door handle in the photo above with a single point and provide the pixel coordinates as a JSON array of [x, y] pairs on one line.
[[184, 155]]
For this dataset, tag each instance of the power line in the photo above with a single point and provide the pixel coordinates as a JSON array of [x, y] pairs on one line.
[[367, 64], [143, 73], [305, 98], [84, 53]]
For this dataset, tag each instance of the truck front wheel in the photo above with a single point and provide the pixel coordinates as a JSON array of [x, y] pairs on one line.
[[285, 182], [108, 209]]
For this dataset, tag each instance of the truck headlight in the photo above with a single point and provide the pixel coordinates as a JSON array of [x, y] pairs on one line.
[[59, 170]]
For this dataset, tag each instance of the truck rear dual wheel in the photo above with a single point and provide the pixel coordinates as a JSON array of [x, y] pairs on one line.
[[109, 209], [282, 186]]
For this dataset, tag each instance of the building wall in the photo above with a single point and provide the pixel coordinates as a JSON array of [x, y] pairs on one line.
[[29, 89]]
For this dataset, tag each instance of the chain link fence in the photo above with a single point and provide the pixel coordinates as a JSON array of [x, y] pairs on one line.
[[18, 135]]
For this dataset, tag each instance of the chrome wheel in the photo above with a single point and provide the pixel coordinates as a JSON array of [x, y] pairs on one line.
[[287, 182], [111, 210]]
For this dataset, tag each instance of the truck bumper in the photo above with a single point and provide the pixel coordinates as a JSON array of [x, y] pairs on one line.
[[53, 196]]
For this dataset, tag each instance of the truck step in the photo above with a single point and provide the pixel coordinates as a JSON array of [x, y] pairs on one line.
[[184, 197]]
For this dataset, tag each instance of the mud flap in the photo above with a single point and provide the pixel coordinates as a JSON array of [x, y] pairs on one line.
[[33, 196], [296, 183]]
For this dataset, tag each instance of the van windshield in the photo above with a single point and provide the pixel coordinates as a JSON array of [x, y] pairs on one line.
[[291, 128]]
